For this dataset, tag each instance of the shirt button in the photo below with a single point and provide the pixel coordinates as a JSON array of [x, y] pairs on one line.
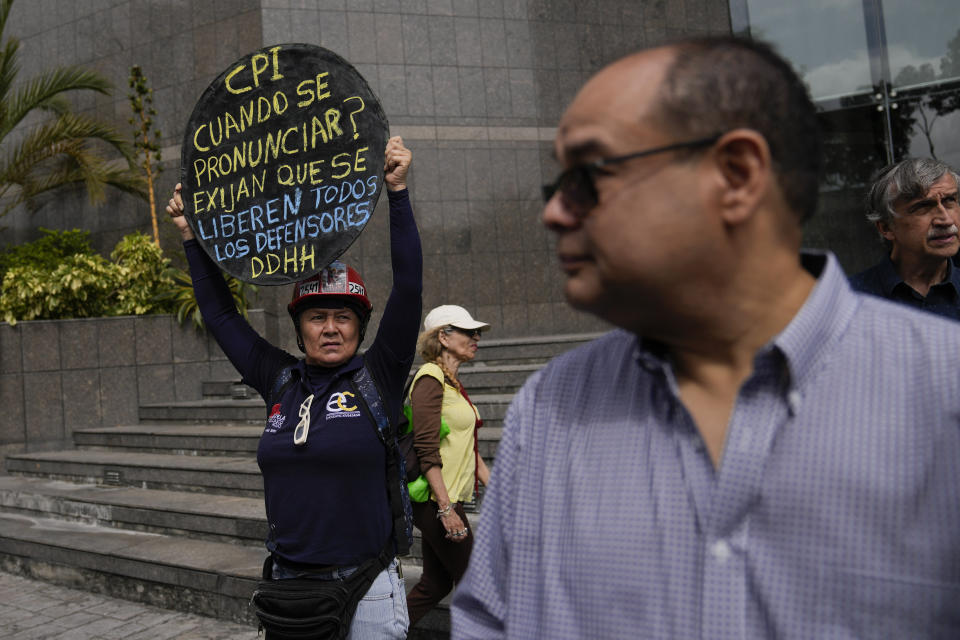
[[720, 550], [794, 399]]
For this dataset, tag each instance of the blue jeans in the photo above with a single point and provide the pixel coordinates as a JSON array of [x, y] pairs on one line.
[[381, 613]]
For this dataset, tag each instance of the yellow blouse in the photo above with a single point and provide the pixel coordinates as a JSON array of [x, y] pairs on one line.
[[456, 450]]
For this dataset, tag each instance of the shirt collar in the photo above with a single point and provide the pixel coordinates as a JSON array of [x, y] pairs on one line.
[[345, 369], [953, 277], [823, 317], [890, 279]]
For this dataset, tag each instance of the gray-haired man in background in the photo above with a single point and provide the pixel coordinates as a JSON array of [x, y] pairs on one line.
[[914, 206]]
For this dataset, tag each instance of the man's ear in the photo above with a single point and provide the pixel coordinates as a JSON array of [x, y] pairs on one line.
[[884, 230], [745, 174]]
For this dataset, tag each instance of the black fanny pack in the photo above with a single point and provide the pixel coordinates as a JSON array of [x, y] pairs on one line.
[[301, 608]]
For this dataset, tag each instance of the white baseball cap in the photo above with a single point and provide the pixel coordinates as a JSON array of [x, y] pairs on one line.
[[451, 314]]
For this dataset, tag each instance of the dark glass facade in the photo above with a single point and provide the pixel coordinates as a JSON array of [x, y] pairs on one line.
[[885, 75]]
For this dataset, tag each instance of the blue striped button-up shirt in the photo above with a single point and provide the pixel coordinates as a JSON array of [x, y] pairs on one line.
[[834, 513]]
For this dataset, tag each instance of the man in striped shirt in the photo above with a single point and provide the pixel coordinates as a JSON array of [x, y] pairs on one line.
[[757, 451]]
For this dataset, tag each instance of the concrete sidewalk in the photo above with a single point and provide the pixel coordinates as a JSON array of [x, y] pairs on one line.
[[34, 610]]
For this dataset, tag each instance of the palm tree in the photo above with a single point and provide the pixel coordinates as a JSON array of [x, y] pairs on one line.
[[59, 150]]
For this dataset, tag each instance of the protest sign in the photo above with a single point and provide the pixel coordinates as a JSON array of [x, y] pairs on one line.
[[282, 163]]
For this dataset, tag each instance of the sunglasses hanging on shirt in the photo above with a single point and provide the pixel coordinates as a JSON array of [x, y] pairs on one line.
[[303, 427]]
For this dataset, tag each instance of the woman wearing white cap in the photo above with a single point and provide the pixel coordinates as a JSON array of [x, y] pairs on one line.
[[451, 465]]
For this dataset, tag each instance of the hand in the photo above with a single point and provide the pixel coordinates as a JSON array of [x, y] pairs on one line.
[[397, 160], [456, 530], [175, 211]]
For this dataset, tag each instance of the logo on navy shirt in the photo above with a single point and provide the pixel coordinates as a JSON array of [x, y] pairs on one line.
[[339, 406], [275, 420]]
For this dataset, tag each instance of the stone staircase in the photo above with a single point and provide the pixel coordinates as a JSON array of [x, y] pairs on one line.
[[169, 511]]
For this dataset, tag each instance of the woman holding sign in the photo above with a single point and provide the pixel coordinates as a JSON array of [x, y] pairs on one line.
[[322, 457]]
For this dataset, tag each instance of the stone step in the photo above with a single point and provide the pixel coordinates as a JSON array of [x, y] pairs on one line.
[[531, 349], [488, 438], [492, 408], [185, 439], [225, 475], [210, 411], [175, 572], [179, 573], [233, 519], [478, 379], [213, 440], [481, 379], [219, 517], [229, 389]]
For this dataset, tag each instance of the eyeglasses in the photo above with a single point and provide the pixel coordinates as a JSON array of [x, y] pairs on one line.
[[470, 333], [577, 185], [303, 427]]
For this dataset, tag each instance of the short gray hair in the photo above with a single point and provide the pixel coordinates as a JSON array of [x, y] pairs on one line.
[[908, 179]]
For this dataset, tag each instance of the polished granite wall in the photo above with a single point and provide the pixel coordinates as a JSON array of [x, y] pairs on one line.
[[474, 86], [57, 376]]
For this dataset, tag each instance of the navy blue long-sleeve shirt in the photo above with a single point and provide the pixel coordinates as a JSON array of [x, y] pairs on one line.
[[883, 280], [326, 501]]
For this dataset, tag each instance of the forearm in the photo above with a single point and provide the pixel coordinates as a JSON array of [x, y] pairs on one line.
[[483, 473], [231, 331], [406, 253], [434, 478]]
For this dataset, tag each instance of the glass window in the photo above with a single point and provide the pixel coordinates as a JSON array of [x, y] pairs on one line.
[[885, 76], [922, 45], [825, 39], [926, 122]]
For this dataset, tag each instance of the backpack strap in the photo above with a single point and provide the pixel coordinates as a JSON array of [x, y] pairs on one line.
[[372, 403], [364, 383], [280, 385]]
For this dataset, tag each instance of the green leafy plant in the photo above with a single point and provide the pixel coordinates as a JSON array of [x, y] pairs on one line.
[[79, 287], [47, 251], [60, 149], [141, 272], [59, 276], [184, 303], [147, 146], [87, 285]]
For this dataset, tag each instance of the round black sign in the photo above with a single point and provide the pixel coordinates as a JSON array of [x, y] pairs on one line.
[[282, 163]]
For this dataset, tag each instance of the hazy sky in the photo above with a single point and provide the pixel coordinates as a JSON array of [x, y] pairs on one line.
[[826, 39]]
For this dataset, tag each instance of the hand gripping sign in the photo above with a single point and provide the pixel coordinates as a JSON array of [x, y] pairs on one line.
[[282, 163]]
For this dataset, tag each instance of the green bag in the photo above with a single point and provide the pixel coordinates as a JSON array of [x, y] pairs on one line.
[[418, 488]]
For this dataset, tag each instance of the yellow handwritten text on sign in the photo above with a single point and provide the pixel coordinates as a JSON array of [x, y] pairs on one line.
[[256, 111], [282, 122], [293, 140], [259, 62]]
